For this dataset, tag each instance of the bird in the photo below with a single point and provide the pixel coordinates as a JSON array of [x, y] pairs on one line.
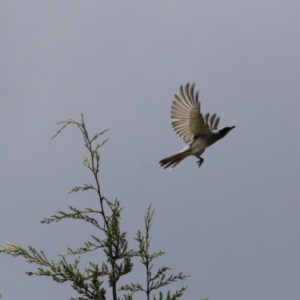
[[188, 122]]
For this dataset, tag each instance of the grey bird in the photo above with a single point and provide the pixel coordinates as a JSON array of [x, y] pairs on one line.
[[188, 122]]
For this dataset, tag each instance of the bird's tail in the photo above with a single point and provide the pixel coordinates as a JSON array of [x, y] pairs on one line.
[[174, 160]]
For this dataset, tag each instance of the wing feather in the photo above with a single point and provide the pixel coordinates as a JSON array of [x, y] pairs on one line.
[[187, 119], [211, 120], [216, 123], [206, 118]]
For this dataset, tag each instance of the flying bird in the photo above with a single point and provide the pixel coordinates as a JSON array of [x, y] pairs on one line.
[[188, 122]]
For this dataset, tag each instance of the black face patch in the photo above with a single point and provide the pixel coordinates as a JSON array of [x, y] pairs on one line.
[[225, 130]]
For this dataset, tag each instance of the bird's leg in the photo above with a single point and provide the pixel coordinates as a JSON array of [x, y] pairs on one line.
[[200, 161]]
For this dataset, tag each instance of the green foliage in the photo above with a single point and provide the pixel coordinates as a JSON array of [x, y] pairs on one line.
[[158, 279], [112, 241]]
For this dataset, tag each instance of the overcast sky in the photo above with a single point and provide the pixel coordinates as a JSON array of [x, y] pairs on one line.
[[233, 224]]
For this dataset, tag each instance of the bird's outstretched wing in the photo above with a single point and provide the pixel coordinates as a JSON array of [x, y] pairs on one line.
[[188, 120]]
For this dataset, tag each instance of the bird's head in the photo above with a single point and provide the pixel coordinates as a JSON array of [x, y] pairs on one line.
[[225, 130]]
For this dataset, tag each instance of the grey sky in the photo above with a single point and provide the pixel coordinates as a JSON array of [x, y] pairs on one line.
[[233, 224]]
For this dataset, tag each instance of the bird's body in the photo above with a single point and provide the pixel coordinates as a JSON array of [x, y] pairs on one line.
[[188, 122]]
